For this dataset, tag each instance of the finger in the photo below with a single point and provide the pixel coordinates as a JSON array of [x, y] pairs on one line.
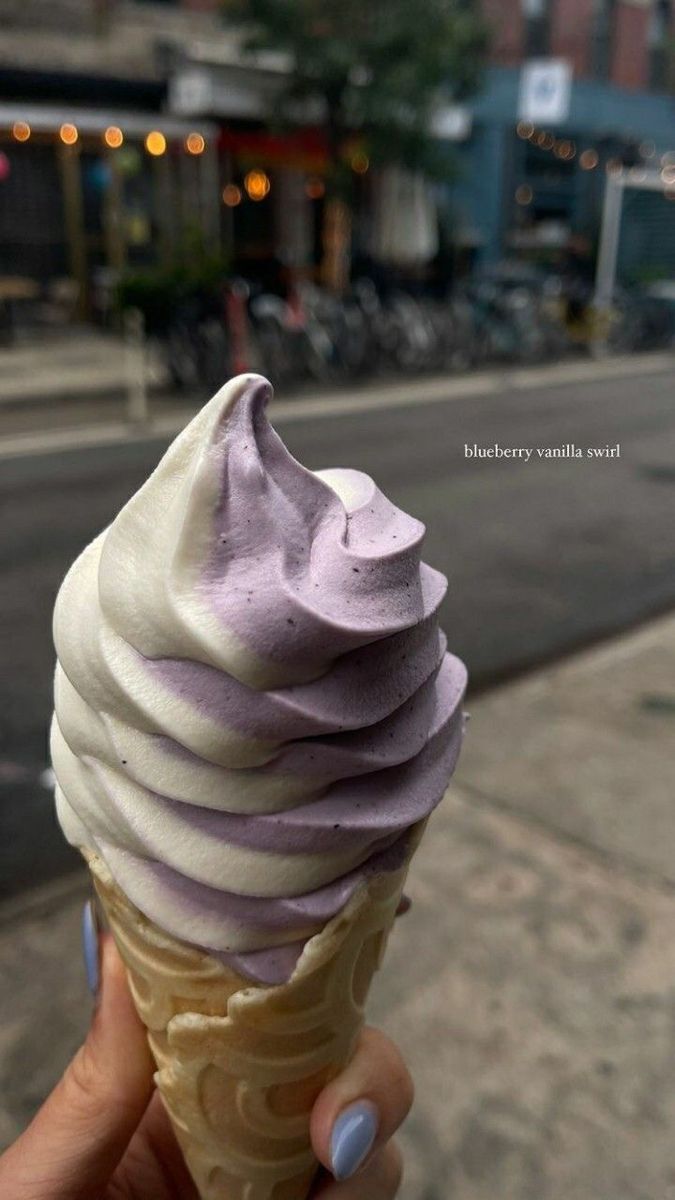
[[379, 1180], [362, 1107], [74, 1143], [153, 1164]]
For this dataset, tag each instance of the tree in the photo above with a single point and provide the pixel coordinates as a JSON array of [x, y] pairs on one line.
[[372, 74]]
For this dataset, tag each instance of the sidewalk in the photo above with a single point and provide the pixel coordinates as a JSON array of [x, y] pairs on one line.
[[72, 391], [54, 367], [540, 1018]]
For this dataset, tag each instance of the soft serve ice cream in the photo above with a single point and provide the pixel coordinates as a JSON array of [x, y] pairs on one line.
[[254, 707]]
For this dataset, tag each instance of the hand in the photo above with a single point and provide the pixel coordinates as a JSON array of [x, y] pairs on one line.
[[103, 1133]]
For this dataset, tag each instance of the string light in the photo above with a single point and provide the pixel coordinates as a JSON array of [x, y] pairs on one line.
[[113, 137], [524, 194], [231, 195], [195, 144], [668, 174], [525, 129], [315, 188], [21, 131], [257, 185], [68, 134], [360, 162], [588, 159], [155, 143]]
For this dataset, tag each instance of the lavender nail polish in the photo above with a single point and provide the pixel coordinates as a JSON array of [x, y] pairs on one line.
[[352, 1138], [90, 946]]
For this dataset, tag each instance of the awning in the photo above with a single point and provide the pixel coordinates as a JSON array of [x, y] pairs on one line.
[[48, 118]]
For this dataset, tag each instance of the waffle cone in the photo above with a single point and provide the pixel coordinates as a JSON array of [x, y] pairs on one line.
[[239, 1065]]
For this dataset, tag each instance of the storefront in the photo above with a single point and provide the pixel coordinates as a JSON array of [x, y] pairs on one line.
[[525, 187], [85, 194]]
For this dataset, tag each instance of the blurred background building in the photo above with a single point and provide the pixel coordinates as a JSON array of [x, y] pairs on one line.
[[123, 124]]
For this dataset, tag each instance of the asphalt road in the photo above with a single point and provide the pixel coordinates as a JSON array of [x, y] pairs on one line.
[[542, 556]]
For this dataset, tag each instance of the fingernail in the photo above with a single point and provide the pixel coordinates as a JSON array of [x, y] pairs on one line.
[[90, 947], [352, 1138]]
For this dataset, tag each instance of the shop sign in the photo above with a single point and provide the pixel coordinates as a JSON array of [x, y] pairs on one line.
[[545, 90]]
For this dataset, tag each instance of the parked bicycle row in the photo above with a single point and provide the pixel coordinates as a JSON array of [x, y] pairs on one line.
[[309, 334]]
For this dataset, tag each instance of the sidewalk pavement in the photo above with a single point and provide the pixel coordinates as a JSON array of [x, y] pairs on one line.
[[532, 985], [80, 388], [62, 366]]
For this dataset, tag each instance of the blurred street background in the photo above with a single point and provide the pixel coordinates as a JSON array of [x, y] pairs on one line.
[[437, 228]]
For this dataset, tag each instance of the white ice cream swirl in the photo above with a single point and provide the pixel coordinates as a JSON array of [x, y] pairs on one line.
[[253, 703]]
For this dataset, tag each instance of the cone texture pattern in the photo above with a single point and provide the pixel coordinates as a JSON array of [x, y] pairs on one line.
[[240, 1065]]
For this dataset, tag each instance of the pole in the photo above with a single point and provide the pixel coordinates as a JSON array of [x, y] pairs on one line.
[[134, 361], [114, 218], [209, 181], [162, 206], [605, 274], [71, 183]]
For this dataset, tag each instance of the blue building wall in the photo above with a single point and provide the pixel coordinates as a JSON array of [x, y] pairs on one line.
[[480, 202]]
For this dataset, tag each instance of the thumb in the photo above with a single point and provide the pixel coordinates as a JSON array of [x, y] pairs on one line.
[[73, 1145]]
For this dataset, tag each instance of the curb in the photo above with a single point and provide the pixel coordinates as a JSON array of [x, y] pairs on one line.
[[435, 389]]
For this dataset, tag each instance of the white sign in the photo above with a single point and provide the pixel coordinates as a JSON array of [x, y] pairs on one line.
[[191, 92], [452, 122], [545, 89]]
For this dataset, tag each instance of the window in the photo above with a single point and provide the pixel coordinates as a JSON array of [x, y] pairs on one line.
[[660, 50], [602, 37], [537, 14]]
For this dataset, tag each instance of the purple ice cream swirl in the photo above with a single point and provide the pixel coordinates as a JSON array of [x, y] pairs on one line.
[[254, 706]]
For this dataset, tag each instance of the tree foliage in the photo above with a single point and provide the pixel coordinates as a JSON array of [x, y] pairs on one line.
[[372, 69]]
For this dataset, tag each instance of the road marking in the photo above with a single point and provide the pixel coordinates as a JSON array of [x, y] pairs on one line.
[[433, 390]]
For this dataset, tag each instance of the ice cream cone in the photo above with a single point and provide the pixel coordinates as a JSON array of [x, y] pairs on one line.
[[255, 714], [239, 1064]]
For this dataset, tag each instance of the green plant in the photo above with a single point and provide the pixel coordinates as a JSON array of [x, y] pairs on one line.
[[194, 272]]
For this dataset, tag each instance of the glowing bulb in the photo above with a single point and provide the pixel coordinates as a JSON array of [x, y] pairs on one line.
[[21, 131], [68, 134], [360, 162], [588, 159], [524, 194], [524, 129], [315, 188], [155, 143], [668, 174], [113, 137], [194, 143], [257, 185], [231, 195]]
